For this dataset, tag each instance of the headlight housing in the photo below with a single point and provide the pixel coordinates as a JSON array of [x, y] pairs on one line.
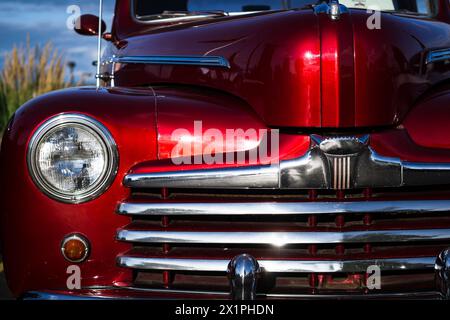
[[72, 158]]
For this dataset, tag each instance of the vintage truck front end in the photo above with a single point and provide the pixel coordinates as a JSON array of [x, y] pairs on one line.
[[296, 153]]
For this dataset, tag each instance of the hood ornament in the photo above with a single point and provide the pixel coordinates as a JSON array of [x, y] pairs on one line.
[[243, 271], [335, 10], [332, 8]]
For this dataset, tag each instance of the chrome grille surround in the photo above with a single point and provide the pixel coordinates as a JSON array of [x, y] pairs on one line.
[[351, 164]]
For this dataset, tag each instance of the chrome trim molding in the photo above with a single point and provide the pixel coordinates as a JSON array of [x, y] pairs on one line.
[[201, 61], [331, 163], [40, 295], [402, 295], [112, 157], [281, 266], [282, 208], [437, 56], [249, 177], [279, 239]]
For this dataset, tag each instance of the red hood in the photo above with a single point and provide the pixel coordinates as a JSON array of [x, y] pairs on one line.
[[299, 69]]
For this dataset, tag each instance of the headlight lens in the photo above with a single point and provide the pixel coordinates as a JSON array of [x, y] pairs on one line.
[[72, 158]]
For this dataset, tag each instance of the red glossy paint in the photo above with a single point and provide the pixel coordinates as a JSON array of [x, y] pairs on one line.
[[183, 109], [337, 72], [428, 123], [321, 73], [271, 70], [292, 71]]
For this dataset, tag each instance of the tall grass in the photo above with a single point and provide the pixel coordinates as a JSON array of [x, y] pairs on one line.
[[28, 72]]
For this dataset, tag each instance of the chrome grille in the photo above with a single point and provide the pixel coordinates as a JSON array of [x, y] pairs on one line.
[[309, 243]]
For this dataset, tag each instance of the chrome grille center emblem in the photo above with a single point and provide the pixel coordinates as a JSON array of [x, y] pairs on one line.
[[341, 155], [342, 174]]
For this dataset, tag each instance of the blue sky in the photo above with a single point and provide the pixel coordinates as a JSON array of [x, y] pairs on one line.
[[45, 20]]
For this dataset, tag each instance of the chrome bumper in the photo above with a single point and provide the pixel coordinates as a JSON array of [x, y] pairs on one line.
[[441, 265], [151, 294], [41, 295]]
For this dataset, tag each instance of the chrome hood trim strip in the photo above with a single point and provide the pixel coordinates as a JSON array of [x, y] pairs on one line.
[[200, 61], [283, 266], [437, 56], [279, 239], [281, 208]]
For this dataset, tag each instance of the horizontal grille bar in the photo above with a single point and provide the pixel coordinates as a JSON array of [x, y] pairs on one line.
[[248, 177], [284, 266], [285, 208], [282, 238]]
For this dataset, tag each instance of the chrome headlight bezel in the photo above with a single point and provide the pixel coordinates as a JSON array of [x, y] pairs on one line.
[[93, 127]]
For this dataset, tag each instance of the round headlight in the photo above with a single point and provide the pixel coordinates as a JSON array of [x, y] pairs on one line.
[[72, 158]]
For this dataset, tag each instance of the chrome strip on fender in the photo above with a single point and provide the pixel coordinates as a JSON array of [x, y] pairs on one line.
[[283, 266], [282, 208], [279, 239], [201, 61], [437, 55]]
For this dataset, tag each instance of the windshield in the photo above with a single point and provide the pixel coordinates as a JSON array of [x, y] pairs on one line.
[[157, 9]]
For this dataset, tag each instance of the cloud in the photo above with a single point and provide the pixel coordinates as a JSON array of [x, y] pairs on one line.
[[42, 14], [45, 20]]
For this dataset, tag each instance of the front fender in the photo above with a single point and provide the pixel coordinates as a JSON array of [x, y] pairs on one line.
[[33, 225], [428, 123]]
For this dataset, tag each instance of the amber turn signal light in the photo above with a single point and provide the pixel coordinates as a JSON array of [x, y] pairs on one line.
[[75, 248]]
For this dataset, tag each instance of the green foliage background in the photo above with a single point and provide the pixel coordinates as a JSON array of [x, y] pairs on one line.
[[28, 72]]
